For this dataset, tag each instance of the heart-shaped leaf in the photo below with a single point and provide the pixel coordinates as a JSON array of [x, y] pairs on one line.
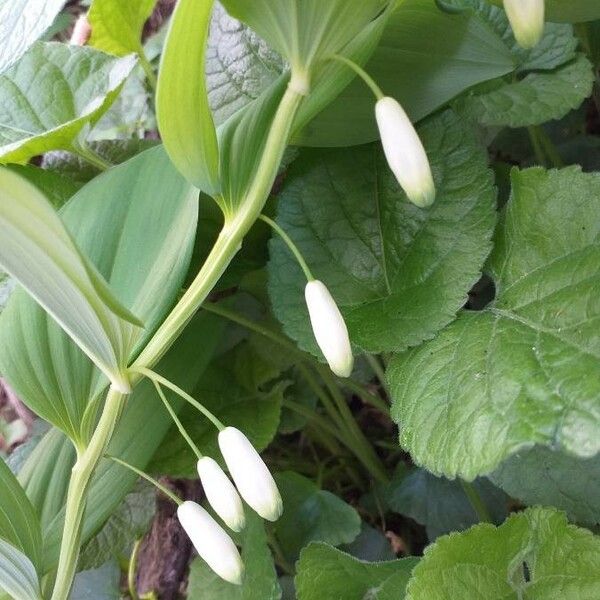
[[526, 370], [52, 93], [17, 574], [145, 259], [398, 273]]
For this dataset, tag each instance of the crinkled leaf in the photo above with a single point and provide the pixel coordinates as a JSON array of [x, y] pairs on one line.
[[184, 116], [534, 555], [22, 23], [260, 578], [52, 93], [100, 584], [371, 544], [442, 505], [544, 476], [325, 573], [145, 259], [526, 370], [312, 515], [17, 574], [117, 25], [398, 273], [536, 98]]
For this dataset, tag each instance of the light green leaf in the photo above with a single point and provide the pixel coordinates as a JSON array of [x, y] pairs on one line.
[[145, 258], [19, 525], [312, 515], [72, 87], [422, 71], [188, 132], [117, 25], [442, 505], [260, 578], [544, 476], [17, 574], [537, 98], [398, 273], [40, 254], [526, 370], [325, 573], [23, 22], [534, 555]]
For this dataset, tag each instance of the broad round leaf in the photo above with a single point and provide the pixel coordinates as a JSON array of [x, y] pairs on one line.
[[398, 273]]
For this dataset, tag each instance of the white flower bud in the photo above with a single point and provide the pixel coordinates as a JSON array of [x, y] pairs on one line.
[[329, 328], [211, 542], [404, 152], [527, 20], [250, 474], [81, 32], [221, 494]]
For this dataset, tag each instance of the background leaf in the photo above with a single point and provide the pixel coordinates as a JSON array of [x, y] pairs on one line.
[[52, 93], [398, 273], [525, 370], [100, 584], [17, 574]]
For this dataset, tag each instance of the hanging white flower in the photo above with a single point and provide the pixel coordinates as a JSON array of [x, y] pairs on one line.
[[329, 328], [527, 20], [221, 493], [250, 474], [404, 152], [213, 545]]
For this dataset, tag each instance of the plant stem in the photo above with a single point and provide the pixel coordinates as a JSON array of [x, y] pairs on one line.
[[77, 494], [476, 502], [366, 396], [537, 146], [290, 244], [81, 148], [361, 73], [148, 70], [375, 364], [132, 570], [313, 416]]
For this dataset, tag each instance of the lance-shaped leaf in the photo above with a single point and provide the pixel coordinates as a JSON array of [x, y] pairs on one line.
[[22, 23], [117, 25], [145, 258], [526, 370], [40, 254], [17, 574], [184, 116], [52, 93]]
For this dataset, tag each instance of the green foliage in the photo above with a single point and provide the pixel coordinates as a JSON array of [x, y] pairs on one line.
[[379, 254], [17, 574], [53, 94], [519, 559], [525, 370]]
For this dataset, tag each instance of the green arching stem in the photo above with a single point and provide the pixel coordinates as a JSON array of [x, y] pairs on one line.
[[367, 396], [377, 368], [176, 499], [177, 421], [476, 502], [290, 244], [148, 70], [159, 379], [361, 73], [80, 148], [132, 570], [77, 494]]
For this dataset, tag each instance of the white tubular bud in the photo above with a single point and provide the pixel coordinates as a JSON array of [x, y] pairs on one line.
[[527, 20], [211, 542], [329, 328], [404, 152], [221, 494], [81, 32], [250, 474]]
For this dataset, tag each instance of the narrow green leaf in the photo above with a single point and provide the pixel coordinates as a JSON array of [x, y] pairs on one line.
[[534, 555], [52, 93], [19, 525], [184, 116], [117, 25], [325, 573], [17, 574], [398, 273], [525, 370], [23, 22]]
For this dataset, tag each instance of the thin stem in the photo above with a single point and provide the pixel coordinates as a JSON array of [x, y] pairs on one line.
[[81, 148], [476, 502], [167, 492], [148, 70], [290, 244], [280, 558], [132, 570], [537, 146], [361, 73], [550, 149], [156, 378], [377, 368], [177, 421], [313, 416], [77, 493], [366, 396]]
